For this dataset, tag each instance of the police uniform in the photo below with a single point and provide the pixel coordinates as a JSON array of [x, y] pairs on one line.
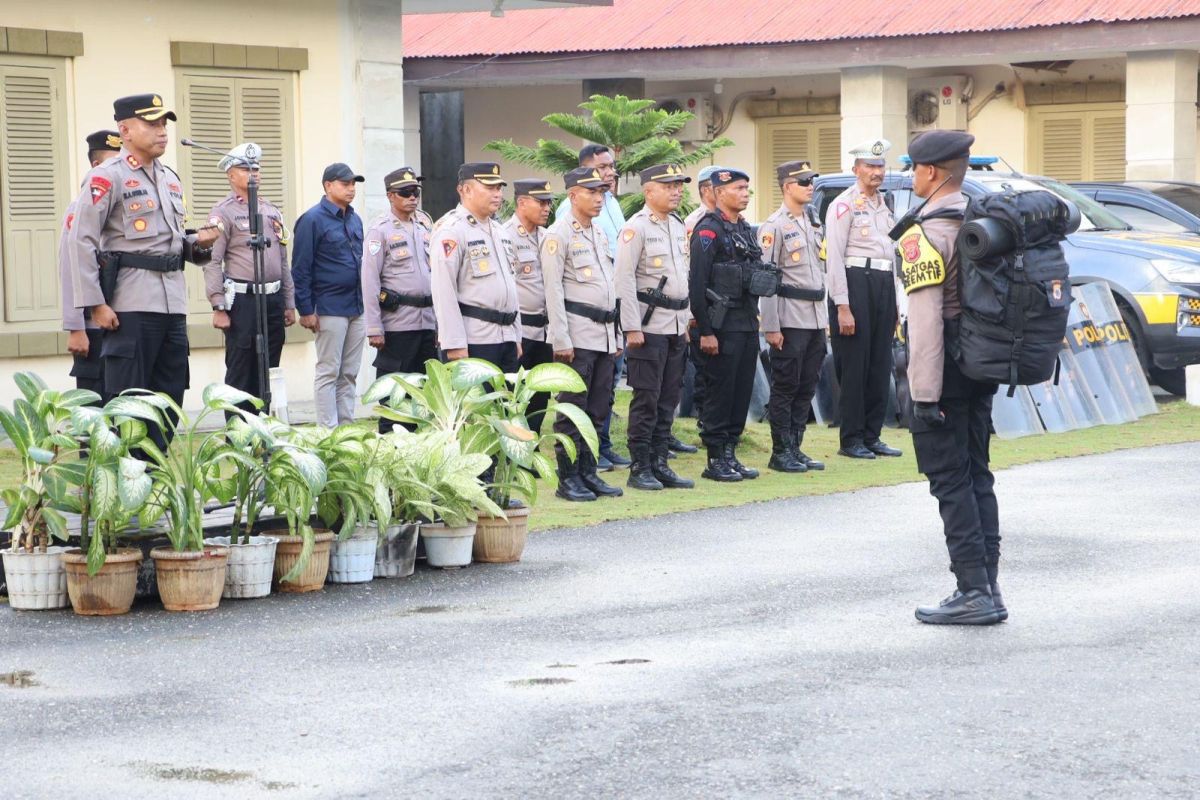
[[474, 289], [720, 248], [652, 282], [860, 273], [130, 219], [229, 279], [531, 292], [581, 301], [693, 365], [397, 298], [798, 312]]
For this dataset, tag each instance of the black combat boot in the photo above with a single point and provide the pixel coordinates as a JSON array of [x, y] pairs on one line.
[[570, 485], [799, 455], [782, 459], [749, 473], [587, 473], [663, 472], [993, 569], [641, 471], [971, 603], [677, 446], [718, 468]]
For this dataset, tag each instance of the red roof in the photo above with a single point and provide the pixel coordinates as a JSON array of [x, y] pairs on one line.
[[671, 24]]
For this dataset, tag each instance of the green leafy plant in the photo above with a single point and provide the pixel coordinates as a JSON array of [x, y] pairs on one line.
[[355, 491], [295, 475], [436, 460]]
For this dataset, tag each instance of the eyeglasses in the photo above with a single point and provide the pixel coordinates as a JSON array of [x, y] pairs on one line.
[[803, 182], [408, 191]]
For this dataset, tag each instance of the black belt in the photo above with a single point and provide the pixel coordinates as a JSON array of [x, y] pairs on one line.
[[594, 313], [535, 320], [148, 261], [796, 293], [662, 301], [488, 314], [413, 300]]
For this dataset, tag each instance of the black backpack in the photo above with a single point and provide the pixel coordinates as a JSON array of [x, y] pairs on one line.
[[1014, 286]]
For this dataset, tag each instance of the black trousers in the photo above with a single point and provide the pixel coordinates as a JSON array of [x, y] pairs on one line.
[[795, 371], [88, 371], [728, 380], [404, 351], [694, 358], [148, 351], [502, 354], [241, 359], [533, 353], [954, 457], [596, 369], [655, 373], [863, 362]]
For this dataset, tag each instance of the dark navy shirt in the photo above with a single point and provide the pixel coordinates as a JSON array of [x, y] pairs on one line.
[[327, 248]]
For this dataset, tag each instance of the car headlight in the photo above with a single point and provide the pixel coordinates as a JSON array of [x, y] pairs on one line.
[[1177, 271]]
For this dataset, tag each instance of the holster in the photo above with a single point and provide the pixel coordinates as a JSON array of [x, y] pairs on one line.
[[717, 309]]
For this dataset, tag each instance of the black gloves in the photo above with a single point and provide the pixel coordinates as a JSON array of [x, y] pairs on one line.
[[929, 413]]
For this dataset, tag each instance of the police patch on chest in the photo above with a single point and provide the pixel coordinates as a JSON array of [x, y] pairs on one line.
[[921, 265]]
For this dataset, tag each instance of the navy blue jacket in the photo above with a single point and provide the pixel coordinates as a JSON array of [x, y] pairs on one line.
[[327, 248]]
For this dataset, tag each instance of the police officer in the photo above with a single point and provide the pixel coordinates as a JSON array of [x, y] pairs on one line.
[[705, 189], [474, 289], [581, 300], [951, 413], [795, 319], [533, 198], [128, 249], [862, 300], [229, 276], [652, 281], [397, 299], [723, 250], [83, 337]]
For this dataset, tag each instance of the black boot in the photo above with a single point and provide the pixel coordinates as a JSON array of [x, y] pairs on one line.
[[782, 459], [993, 569], [587, 473], [570, 485], [971, 603], [641, 471], [677, 446], [663, 472], [749, 473], [798, 454], [718, 468]]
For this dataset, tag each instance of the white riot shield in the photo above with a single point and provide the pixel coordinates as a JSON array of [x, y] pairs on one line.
[[1016, 416], [1053, 407], [1114, 337], [1099, 373], [1076, 393]]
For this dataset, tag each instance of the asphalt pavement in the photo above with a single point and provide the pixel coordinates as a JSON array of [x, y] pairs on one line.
[[765, 651]]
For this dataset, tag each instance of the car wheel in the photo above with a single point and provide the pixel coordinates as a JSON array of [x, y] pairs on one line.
[[1170, 380]]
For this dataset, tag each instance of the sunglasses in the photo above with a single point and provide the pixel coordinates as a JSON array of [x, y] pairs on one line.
[[803, 182], [408, 191]]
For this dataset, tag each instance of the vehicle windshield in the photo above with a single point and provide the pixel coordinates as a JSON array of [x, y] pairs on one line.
[[1186, 197], [1095, 216]]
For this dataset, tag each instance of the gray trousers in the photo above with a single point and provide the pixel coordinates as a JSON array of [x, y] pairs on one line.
[[339, 353]]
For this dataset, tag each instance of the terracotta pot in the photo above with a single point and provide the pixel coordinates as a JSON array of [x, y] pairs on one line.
[[287, 553], [190, 580], [448, 547], [36, 580], [396, 556], [499, 540], [109, 591]]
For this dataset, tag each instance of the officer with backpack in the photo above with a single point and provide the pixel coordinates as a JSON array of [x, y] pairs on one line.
[[951, 412]]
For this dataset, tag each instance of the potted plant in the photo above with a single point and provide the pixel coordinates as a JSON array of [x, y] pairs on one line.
[[412, 505], [354, 498], [39, 426], [293, 480]]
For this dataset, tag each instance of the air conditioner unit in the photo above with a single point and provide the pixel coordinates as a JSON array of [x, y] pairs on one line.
[[937, 103], [700, 104]]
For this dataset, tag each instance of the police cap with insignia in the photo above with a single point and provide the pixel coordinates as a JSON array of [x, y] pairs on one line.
[[399, 178], [244, 155], [144, 106], [707, 173], [664, 173], [795, 171], [338, 171], [533, 187], [485, 172], [726, 175], [104, 140], [871, 152], [587, 177], [938, 147]]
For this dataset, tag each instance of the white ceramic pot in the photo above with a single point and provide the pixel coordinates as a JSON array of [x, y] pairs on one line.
[[448, 547], [36, 581], [353, 560], [250, 566], [397, 553]]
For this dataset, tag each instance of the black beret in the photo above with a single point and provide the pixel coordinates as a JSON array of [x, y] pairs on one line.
[[104, 140], [485, 172], [935, 147], [728, 175], [405, 176], [795, 170], [587, 177], [664, 173], [145, 106], [533, 187]]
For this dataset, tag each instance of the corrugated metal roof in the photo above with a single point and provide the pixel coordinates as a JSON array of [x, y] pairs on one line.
[[673, 24]]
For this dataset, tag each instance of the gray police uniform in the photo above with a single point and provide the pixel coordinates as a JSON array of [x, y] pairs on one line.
[[88, 371], [397, 294], [535, 324]]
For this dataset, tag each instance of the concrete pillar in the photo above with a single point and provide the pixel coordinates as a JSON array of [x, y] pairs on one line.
[[875, 105], [374, 130], [1160, 114]]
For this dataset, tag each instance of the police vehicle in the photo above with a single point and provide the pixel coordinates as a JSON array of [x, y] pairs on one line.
[[1159, 206], [1154, 277]]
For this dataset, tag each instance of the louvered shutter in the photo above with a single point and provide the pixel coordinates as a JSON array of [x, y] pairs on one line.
[[787, 144], [1062, 147], [1081, 143], [829, 148], [816, 139], [33, 188], [1108, 147], [263, 112]]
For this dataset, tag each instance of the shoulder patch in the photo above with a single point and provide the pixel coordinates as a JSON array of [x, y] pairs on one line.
[[841, 210], [552, 246], [448, 246], [98, 187], [767, 240], [707, 237], [628, 234], [921, 265], [374, 246]]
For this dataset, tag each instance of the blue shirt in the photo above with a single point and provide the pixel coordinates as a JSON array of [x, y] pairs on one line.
[[611, 220], [327, 248]]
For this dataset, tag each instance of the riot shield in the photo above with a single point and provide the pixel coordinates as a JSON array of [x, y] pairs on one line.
[[1115, 339], [1075, 393], [1096, 367], [1015, 416], [1052, 406]]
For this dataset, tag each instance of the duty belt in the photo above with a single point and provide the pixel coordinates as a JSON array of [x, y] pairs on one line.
[[488, 314], [534, 320], [148, 261], [594, 313], [662, 301], [882, 264], [270, 287], [413, 300], [797, 293]]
